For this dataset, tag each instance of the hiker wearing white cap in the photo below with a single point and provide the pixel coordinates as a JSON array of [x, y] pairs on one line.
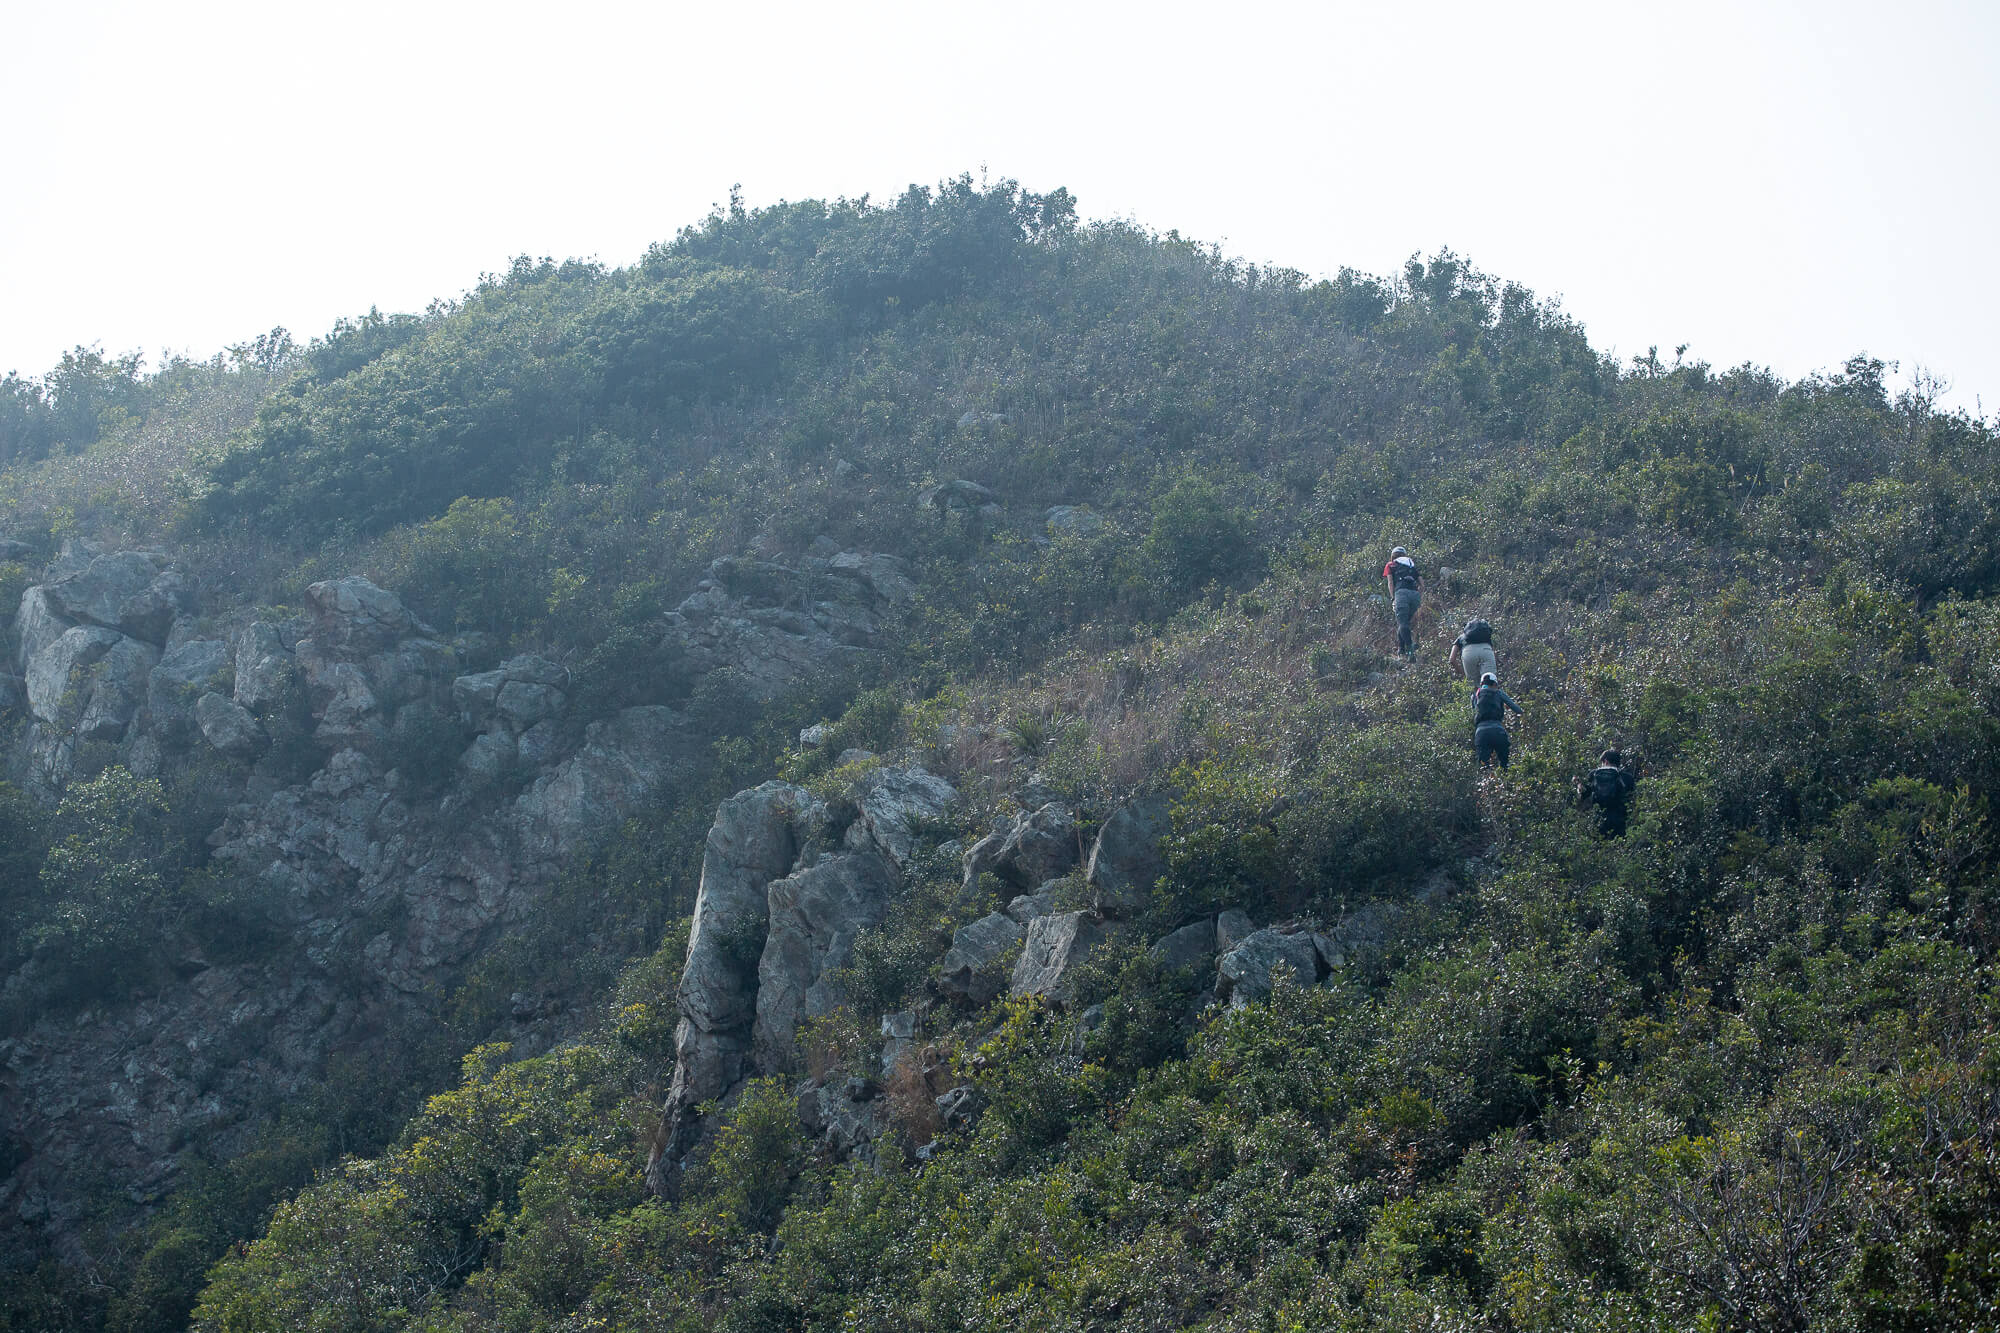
[[1489, 722]]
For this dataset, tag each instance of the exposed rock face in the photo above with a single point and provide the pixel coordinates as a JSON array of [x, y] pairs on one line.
[[264, 670], [515, 696], [777, 625], [961, 494], [774, 922], [37, 624], [229, 727], [387, 895], [815, 915], [1192, 947], [1026, 907], [1126, 861], [631, 756], [971, 967], [135, 593], [847, 1117], [893, 804], [1055, 945], [1249, 970], [1039, 847], [56, 679], [124, 1089], [353, 618], [1072, 521], [184, 674], [755, 840], [117, 691]]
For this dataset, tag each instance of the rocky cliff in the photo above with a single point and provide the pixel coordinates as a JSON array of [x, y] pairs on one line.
[[397, 802]]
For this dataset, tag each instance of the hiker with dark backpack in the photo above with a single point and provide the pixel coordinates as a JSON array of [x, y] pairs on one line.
[[1490, 740], [1472, 652], [1406, 594], [1609, 789]]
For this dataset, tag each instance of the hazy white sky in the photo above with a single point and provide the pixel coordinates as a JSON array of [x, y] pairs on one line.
[[1788, 183]]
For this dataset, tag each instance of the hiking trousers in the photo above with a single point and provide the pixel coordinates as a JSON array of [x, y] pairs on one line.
[[1490, 741], [1407, 601]]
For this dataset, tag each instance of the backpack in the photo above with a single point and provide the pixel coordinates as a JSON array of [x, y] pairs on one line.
[[1405, 576], [1608, 787], [1477, 631], [1486, 705]]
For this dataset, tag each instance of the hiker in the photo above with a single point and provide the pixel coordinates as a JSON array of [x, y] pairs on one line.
[[1609, 788], [1472, 652], [1406, 593], [1489, 721]]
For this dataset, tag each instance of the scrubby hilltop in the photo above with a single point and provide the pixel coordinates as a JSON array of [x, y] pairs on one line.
[[849, 774]]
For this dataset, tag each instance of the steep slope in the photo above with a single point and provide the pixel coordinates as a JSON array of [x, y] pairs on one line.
[[1066, 541]]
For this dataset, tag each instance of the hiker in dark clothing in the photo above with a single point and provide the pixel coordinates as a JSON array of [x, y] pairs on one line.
[[1489, 722], [1472, 652], [1609, 788], [1406, 593]]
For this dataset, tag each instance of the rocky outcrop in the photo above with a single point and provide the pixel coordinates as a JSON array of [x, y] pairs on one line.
[[1127, 859], [230, 727], [117, 691], [125, 1089], [755, 839], [1073, 521], [1038, 847], [37, 624], [973, 968], [136, 593], [90, 681], [265, 675], [1054, 946], [1250, 969], [630, 757], [815, 915], [966, 496], [776, 625], [184, 674], [848, 1117], [775, 920], [892, 806]]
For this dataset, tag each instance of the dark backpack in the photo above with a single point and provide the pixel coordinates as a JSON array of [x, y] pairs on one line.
[[1405, 576], [1477, 631], [1487, 706], [1609, 787]]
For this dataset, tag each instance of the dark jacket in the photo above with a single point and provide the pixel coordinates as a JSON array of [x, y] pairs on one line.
[[1488, 703]]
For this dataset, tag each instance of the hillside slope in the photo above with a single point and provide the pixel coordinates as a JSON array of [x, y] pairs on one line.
[[1126, 941]]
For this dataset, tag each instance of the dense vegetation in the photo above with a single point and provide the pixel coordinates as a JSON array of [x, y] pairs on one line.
[[1740, 1070]]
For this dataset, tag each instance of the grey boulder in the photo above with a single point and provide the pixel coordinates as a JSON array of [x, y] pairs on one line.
[[1039, 847], [352, 617], [1192, 947], [37, 624], [229, 727], [1250, 970], [1127, 860], [184, 674], [623, 760], [1073, 521], [892, 804], [815, 914], [117, 689], [971, 968], [264, 668], [58, 675], [755, 839], [131, 592], [1055, 945]]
